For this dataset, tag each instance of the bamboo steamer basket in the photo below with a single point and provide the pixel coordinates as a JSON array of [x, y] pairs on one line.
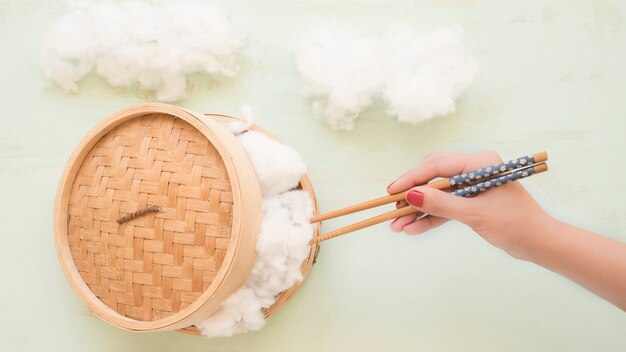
[[305, 185], [156, 218]]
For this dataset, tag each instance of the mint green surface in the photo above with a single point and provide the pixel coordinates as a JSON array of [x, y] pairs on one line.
[[552, 77]]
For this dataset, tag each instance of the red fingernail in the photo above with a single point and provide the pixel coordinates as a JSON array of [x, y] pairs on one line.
[[415, 198]]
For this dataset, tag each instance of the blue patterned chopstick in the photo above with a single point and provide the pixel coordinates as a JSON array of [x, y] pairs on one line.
[[490, 171], [499, 181]]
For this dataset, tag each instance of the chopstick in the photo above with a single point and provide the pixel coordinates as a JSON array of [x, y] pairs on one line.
[[464, 192], [367, 223], [486, 180], [488, 184], [444, 184]]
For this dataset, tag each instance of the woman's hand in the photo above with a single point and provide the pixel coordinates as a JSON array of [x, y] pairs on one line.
[[504, 216], [510, 219]]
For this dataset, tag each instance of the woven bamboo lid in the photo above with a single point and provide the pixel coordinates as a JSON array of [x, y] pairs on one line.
[[151, 227]]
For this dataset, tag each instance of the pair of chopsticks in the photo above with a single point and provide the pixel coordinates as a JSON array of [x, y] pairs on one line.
[[466, 184]]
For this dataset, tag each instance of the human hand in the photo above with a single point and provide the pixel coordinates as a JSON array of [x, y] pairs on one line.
[[506, 216]]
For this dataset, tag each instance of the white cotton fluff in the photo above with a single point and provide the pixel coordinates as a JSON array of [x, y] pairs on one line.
[[139, 43], [238, 127], [419, 75], [277, 165], [425, 72], [282, 246], [342, 71], [283, 241]]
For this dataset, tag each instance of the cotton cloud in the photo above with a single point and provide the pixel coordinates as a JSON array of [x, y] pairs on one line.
[[139, 43], [417, 74]]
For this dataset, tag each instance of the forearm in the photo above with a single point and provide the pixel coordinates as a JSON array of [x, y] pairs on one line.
[[595, 262]]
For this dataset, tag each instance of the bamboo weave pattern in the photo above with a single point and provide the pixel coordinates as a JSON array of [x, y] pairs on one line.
[[155, 265]]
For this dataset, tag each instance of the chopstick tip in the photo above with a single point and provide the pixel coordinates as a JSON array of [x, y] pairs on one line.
[[541, 156], [541, 167]]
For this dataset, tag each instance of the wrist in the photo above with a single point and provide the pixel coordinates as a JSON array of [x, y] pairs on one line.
[[542, 238]]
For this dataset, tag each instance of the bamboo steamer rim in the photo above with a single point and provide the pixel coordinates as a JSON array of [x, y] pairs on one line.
[[307, 186], [246, 219]]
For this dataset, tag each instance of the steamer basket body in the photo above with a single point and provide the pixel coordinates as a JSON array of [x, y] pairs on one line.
[[305, 185], [168, 269]]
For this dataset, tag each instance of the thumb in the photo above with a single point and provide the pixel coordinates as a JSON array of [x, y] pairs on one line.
[[438, 203]]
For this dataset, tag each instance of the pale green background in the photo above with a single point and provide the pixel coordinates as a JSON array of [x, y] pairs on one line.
[[552, 77]]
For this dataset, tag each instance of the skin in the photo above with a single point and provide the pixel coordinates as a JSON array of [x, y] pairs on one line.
[[510, 219]]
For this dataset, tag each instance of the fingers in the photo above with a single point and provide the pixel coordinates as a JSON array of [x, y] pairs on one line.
[[442, 165], [398, 224], [441, 204], [425, 171], [424, 224]]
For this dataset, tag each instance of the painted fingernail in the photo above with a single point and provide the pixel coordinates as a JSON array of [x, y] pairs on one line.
[[415, 198]]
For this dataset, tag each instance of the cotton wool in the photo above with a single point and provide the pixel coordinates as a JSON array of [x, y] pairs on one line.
[[282, 243], [342, 70], [139, 43], [417, 74], [425, 72], [277, 165]]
